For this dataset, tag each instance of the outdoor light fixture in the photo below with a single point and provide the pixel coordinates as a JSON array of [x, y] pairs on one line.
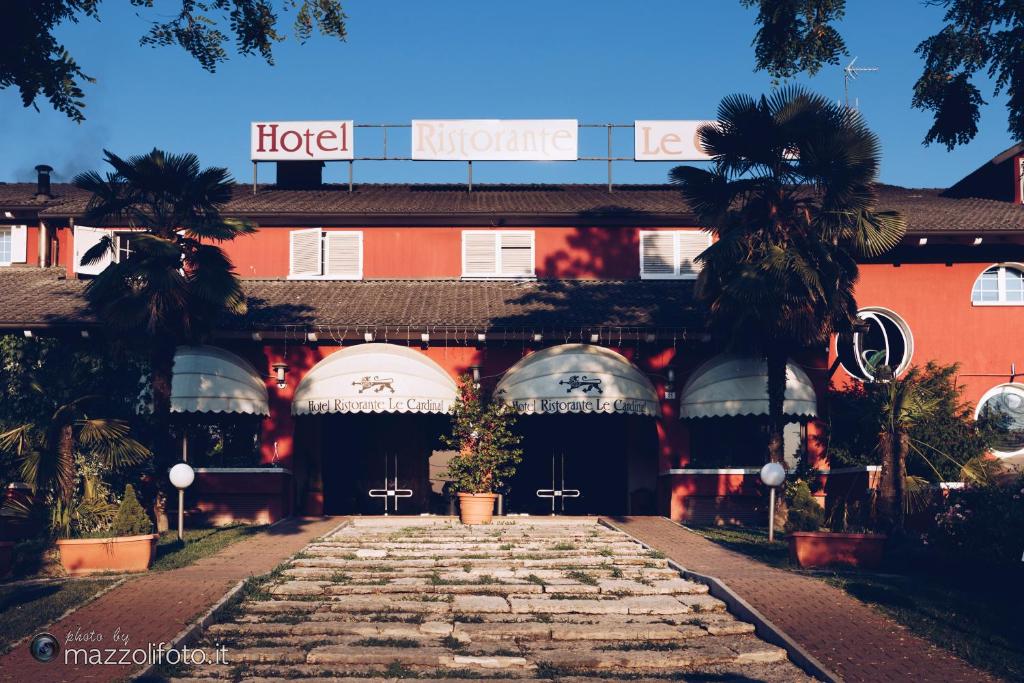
[[425, 337], [481, 337], [772, 475], [28, 334], [280, 369], [8, 214], [182, 476], [85, 334], [256, 336], [475, 369], [311, 336], [595, 338], [923, 241], [978, 240], [650, 338], [368, 337], [538, 337]]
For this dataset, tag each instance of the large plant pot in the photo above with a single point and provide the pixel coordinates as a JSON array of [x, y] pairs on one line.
[[476, 508], [6, 557], [118, 554], [823, 549]]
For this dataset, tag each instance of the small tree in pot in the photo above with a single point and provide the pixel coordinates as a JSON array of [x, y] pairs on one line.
[[486, 451]]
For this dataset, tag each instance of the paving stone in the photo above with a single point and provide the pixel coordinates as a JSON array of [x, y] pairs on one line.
[[479, 603]]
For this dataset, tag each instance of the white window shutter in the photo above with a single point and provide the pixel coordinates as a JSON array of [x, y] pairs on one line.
[[85, 239], [517, 258], [305, 253], [19, 243], [690, 244], [343, 256], [657, 254], [479, 254]]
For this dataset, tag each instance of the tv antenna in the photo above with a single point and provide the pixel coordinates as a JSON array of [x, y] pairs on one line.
[[850, 72]]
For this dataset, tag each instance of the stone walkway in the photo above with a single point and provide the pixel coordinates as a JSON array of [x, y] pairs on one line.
[[853, 640], [154, 608], [523, 600]]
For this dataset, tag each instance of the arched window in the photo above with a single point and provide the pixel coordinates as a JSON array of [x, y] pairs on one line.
[[1000, 285], [1001, 412], [881, 338]]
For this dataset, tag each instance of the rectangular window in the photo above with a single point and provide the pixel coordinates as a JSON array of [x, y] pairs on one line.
[[325, 254], [5, 246], [498, 253], [671, 254]]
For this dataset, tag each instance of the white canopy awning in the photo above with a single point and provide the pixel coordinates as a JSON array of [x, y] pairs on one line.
[[577, 378], [375, 378], [208, 379], [730, 385]]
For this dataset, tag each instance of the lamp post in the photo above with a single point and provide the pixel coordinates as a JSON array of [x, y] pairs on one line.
[[182, 475], [772, 476]]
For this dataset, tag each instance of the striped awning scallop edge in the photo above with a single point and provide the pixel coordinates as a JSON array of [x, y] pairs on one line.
[[731, 385], [208, 379]]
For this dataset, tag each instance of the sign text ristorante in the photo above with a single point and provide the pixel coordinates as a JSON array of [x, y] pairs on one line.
[[495, 140]]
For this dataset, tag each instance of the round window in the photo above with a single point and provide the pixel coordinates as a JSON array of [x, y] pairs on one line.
[[880, 338], [1001, 412]]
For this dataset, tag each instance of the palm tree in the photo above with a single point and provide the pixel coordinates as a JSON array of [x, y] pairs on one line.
[[176, 282], [790, 199], [46, 450]]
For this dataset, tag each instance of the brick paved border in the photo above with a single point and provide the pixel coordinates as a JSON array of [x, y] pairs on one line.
[[853, 639], [765, 629]]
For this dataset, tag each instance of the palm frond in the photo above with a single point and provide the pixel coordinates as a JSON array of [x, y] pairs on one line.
[[110, 440]]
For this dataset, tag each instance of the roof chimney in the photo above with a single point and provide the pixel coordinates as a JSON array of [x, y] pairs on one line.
[[300, 175], [43, 182]]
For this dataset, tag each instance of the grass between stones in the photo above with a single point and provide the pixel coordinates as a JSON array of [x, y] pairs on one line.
[[387, 642], [582, 577], [199, 543], [24, 610]]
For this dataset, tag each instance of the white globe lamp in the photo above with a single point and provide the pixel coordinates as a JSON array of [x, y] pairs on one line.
[[773, 475], [182, 476]]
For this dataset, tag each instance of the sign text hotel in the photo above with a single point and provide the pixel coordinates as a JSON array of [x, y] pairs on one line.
[[301, 141]]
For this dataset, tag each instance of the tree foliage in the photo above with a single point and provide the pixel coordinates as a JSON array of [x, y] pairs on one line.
[[33, 60], [486, 447], [797, 36], [978, 36], [130, 519], [791, 199]]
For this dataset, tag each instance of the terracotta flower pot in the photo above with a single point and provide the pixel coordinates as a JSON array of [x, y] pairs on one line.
[[476, 508], [6, 557], [118, 554], [822, 549]]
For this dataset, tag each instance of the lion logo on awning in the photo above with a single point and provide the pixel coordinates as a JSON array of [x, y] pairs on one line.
[[587, 384], [378, 384]]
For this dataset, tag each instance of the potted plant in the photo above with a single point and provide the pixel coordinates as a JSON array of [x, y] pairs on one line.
[[128, 545], [486, 451], [809, 546]]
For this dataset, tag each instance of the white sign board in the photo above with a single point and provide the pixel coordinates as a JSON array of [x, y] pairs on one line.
[[495, 140], [668, 141], [301, 140]]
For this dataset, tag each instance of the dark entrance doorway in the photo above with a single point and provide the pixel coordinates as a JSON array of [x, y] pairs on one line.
[[374, 463], [587, 464]]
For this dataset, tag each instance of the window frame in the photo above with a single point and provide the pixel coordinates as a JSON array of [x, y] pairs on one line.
[[324, 256], [1018, 388], [10, 237], [676, 273], [1000, 284], [498, 275]]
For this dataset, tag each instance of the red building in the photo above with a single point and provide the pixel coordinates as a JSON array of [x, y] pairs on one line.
[[574, 303]]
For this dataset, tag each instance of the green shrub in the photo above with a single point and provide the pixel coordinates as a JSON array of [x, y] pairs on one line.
[[131, 519], [804, 512], [981, 526]]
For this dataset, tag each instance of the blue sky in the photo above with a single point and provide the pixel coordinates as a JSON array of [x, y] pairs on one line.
[[597, 61]]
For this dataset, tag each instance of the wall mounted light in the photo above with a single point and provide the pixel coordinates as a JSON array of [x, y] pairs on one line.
[[28, 334], [475, 370], [538, 337], [923, 241], [425, 337], [595, 338], [85, 334], [481, 337], [978, 240], [650, 337], [670, 385], [368, 337], [280, 371], [256, 336], [311, 337]]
